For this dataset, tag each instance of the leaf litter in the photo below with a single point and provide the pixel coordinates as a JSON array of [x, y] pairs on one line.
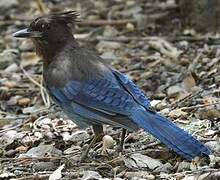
[[177, 68]]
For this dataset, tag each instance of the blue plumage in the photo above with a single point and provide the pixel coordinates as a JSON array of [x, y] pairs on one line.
[[92, 93], [102, 101]]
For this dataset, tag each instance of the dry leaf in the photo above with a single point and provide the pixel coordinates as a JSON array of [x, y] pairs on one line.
[[41, 151], [91, 175], [177, 113], [189, 82], [141, 161], [165, 48], [57, 173]]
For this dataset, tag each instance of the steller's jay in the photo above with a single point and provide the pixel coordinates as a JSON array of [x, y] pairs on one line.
[[92, 93]]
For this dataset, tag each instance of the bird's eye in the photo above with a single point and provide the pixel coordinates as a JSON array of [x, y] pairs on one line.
[[45, 26]]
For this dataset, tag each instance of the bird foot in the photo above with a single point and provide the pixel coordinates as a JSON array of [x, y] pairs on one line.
[[84, 154], [86, 148], [120, 148]]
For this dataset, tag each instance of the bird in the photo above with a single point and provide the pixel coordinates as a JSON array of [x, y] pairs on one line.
[[93, 93]]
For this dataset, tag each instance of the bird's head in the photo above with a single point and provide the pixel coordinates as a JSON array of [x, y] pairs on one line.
[[49, 32]]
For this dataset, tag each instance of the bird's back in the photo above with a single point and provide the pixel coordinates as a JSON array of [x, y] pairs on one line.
[[75, 64]]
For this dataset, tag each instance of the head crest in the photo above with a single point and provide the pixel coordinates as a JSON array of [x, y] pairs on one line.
[[68, 17]]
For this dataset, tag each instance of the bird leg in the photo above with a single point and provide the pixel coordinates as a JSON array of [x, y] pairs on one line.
[[121, 143], [98, 132]]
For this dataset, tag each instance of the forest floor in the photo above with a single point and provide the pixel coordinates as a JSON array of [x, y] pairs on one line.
[[178, 68]]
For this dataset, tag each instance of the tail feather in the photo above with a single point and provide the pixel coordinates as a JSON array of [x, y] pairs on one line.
[[168, 133]]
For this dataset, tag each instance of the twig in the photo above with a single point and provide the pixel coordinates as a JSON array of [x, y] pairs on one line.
[[199, 106], [15, 127], [156, 42], [35, 122], [44, 95], [188, 97], [36, 176], [31, 158], [127, 39], [106, 22], [41, 6], [150, 38], [100, 22], [161, 6]]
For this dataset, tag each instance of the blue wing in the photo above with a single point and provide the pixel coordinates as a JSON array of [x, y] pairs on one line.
[[99, 94], [133, 89], [98, 101], [117, 101], [101, 101]]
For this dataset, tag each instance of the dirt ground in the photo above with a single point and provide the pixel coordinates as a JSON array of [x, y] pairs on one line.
[[178, 68]]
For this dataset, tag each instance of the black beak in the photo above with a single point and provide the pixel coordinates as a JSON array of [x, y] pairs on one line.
[[27, 33]]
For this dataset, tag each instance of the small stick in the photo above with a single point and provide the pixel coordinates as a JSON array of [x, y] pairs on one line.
[[15, 127], [106, 22], [199, 106], [150, 38], [41, 7], [43, 91], [187, 97]]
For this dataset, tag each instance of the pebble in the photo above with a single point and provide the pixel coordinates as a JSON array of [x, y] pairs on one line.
[[23, 101], [11, 68], [183, 166], [165, 111], [154, 103], [108, 143], [107, 45], [8, 57], [109, 56], [87, 175], [213, 145], [79, 136], [110, 31], [13, 100], [184, 44], [173, 91], [6, 4], [41, 151], [10, 153], [43, 166], [130, 27], [166, 168], [10, 84]]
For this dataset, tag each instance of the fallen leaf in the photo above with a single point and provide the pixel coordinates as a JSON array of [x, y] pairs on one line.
[[165, 48], [140, 160], [174, 91], [189, 82], [91, 175], [22, 149], [177, 113], [57, 173], [41, 151]]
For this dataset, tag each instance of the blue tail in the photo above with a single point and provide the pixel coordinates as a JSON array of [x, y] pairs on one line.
[[169, 134]]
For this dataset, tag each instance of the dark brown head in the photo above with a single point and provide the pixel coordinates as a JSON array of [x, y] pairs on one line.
[[50, 32]]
